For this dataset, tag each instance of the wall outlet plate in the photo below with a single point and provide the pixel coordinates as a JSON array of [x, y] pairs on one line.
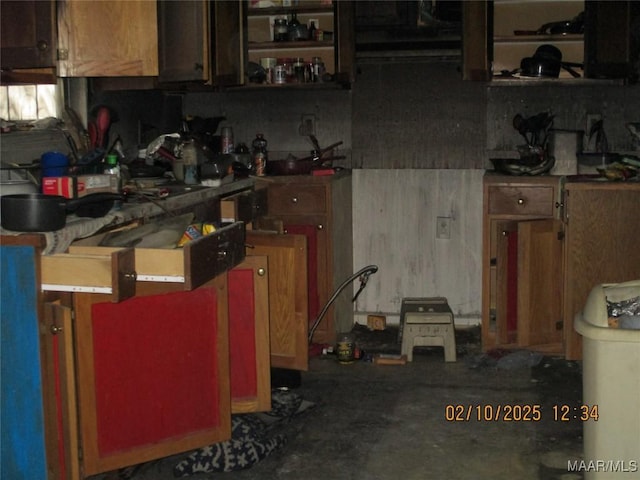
[[307, 124], [443, 228]]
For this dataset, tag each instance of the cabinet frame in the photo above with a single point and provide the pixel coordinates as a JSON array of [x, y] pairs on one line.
[[521, 220]]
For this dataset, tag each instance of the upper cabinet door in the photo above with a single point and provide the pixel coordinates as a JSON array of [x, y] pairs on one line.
[[28, 34], [107, 39], [183, 40], [609, 39], [226, 40], [200, 41]]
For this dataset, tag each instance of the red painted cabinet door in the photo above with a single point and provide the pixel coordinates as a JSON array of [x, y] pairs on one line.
[[249, 361], [153, 373]]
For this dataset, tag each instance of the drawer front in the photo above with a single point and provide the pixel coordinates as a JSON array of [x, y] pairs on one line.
[[197, 262], [111, 272], [522, 200], [296, 199]]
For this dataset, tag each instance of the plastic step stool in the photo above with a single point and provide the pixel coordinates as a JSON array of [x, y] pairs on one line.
[[427, 322]]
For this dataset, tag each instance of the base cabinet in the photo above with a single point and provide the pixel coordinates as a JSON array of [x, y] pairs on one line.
[[547, 242], [319, 208]]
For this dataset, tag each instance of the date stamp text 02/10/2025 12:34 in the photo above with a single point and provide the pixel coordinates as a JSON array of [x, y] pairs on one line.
[[518, 413]]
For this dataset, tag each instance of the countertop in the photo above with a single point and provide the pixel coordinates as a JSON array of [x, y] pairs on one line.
[[80, 227]]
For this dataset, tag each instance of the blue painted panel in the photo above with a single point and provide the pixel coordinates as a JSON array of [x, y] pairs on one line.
[[21, 418]]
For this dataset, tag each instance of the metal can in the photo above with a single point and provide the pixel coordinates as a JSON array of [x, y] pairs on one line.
[[280, 74], [346, 348], [260, 164]]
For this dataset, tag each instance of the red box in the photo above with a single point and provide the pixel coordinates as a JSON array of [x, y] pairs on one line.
[[80, 186], [63, 186]]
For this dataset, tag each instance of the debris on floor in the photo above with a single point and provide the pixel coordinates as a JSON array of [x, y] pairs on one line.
[[389, 359]]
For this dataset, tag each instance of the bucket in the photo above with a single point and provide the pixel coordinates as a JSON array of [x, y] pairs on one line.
[[54, 164]]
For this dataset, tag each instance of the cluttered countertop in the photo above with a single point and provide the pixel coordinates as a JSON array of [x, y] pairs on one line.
[[76, 227], [101, 184]]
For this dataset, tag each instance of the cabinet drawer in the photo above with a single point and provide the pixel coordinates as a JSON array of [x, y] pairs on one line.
[[244, 207], [111, 272], [294, 199], [197, 262], [522, 200]]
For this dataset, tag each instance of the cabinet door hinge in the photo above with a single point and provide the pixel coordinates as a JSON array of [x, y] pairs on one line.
[[561, 235], [63, 54]]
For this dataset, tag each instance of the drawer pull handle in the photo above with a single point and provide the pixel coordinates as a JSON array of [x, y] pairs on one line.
[[55, 329], [320, 226], [505, 233], [521, 201], [559, 204], [222, 254], [130, 276], [261, 272], [294, 199]]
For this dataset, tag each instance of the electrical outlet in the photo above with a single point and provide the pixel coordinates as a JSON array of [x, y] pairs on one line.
[[592, 118], [307, 124], [443, 228]]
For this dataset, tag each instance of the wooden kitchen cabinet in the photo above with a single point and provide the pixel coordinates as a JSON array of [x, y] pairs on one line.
[[499, 34], [200, 41], [249, 350], [601, 245], [319, 207], [152, 373], [521, 263], [28, 34], [335, 18], [546, 243], [288, 302], [107, 39], [150, 376]]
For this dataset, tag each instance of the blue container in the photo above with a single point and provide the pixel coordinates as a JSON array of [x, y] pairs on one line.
[[54, 164]]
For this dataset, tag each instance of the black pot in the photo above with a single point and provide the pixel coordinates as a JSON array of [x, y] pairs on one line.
[[540, 67], [36, 212]]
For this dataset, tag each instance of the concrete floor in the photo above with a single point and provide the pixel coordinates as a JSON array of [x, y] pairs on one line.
[[375, 422]]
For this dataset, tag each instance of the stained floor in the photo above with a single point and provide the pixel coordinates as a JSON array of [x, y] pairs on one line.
[[427, 419]]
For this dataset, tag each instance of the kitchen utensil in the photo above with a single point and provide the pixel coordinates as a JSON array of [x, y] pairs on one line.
[[36, 212], [103, 122]]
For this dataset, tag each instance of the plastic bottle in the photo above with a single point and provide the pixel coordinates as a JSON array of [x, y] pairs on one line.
[[260, 155], [112, 167], [226, 138], [190, 161]]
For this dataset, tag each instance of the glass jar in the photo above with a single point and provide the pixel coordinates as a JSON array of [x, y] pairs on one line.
[[318, 68], [298, 70], [280, 30]]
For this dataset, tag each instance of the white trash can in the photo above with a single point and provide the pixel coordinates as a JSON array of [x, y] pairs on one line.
[[611, 386]]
